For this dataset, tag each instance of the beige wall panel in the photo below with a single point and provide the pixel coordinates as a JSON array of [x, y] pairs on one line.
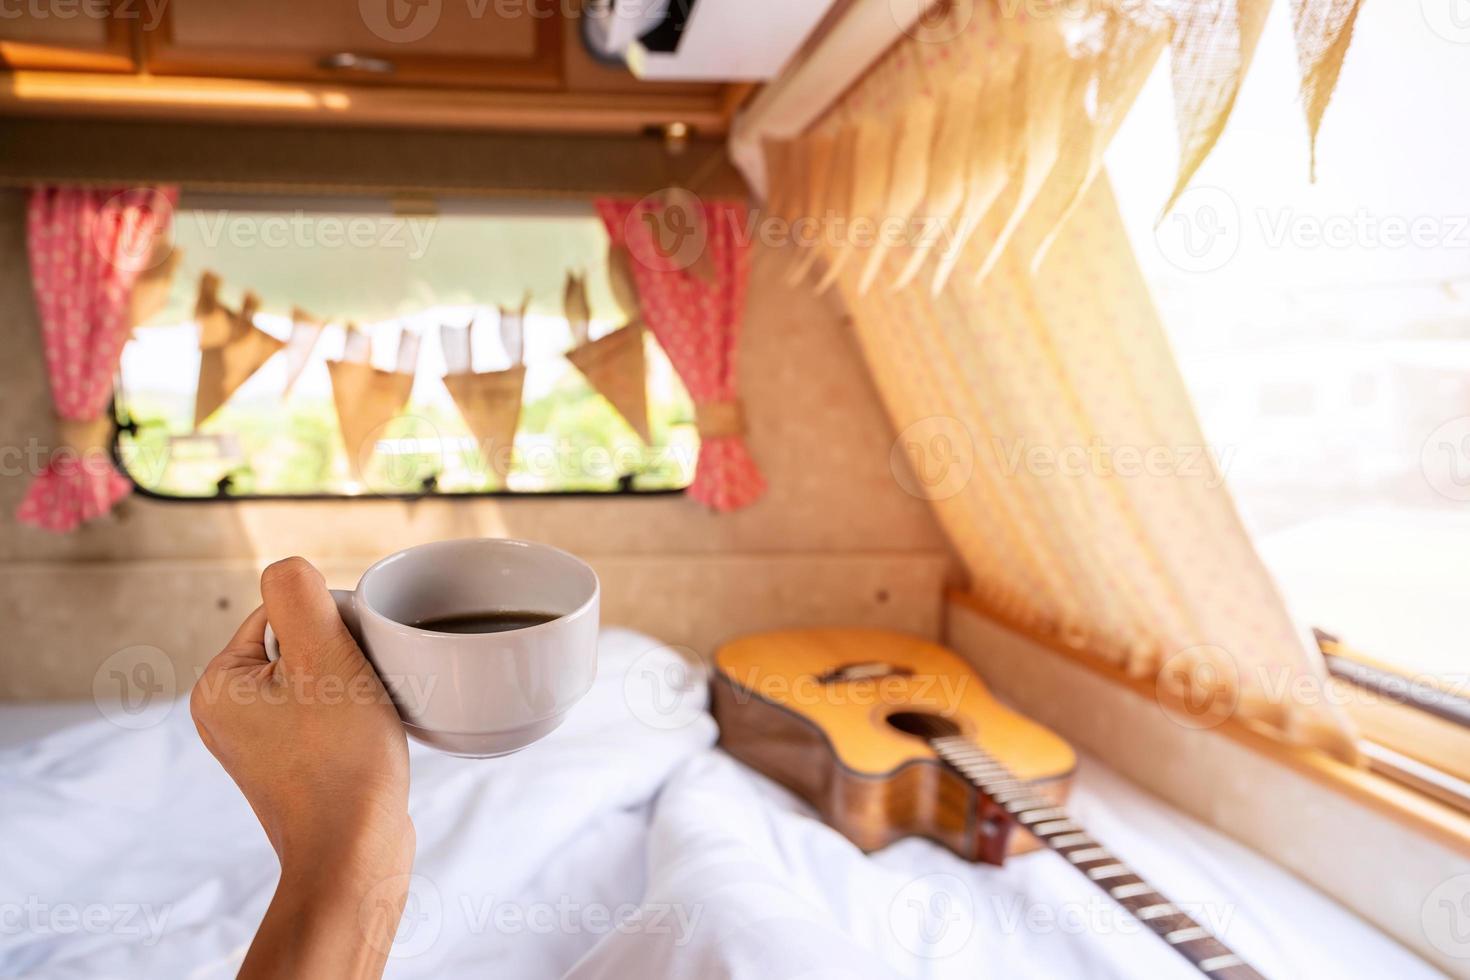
[[66, 618]]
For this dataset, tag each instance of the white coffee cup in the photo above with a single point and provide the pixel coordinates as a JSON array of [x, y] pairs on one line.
[[476, 694]]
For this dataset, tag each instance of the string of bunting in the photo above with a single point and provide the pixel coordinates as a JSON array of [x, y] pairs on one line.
[[366, 398], [994, 129]]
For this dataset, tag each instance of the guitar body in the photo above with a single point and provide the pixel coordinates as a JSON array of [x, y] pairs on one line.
[[824, 712], [891, 736]]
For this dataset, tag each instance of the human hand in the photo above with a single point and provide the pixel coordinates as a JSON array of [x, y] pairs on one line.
[[316, 747]]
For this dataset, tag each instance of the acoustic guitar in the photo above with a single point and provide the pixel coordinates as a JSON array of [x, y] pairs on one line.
[[891, 736]]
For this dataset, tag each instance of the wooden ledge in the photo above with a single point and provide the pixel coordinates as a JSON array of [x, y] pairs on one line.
[[97, 94], [1411, 808], [331, 161]]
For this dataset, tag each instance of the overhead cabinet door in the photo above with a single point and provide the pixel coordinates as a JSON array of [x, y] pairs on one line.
[[76, 35], [494, 43]]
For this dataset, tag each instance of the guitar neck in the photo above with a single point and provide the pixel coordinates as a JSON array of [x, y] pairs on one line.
[[1050, 824]]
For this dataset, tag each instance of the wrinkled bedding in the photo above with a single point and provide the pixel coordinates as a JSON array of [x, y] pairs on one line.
[[622, 846]]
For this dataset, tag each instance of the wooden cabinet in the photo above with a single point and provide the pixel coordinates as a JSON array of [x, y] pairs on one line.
[[493, 43], [512, 64], [70, 35]]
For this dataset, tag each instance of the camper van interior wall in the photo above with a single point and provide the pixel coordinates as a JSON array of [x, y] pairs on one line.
[[1069, 355], [87, 247], [697, 322]]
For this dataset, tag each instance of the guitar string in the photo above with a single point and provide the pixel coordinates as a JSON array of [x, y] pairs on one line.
[[1050, 824]]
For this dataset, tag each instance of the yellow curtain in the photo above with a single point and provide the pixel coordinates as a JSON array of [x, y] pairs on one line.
[[1032, 385]]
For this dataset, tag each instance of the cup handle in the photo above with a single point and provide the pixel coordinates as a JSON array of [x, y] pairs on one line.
[[345, 608]]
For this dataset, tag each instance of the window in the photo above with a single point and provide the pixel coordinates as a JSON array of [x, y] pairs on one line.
[[358, 263], [1324, 328]]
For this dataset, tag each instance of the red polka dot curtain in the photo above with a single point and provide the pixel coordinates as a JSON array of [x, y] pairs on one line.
[[690, 263], [87, 247]]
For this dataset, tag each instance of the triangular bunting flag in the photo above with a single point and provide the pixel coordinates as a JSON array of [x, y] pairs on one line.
[[871, 159], [491, 405], [948, 169], [906, 183], [151, 288], [614, 365], [1132, 47], [1323, 30], [576, 310], [820, 151], [798, 160], [357, 346], [454, 341], [216, 322], [368, 399], [306, 330], [839, 198], [1212, 44], [992, 151], [1051, 88], [513, 330], [777, 155], [224, 367], [624, 285]]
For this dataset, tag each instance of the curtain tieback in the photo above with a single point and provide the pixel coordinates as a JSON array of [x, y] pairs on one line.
[[720, 419], [86, 436]]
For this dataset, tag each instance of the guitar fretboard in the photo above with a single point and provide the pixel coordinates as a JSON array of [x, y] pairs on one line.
[[1050, 824]]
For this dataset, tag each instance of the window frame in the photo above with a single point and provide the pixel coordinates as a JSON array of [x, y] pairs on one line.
[[357, 203], [115, 449], [1417, 719], [1369, 783]]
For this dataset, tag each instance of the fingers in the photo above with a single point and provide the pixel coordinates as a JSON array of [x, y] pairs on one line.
[[247, 646], [304, 616], [245, 651]]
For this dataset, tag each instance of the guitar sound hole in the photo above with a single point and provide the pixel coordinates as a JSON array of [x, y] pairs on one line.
[[922, 724]]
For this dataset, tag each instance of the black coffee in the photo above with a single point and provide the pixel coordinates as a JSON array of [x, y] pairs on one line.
[[494, 621]]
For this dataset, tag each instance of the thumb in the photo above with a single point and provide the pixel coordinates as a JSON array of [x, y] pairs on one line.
[[304, 616]]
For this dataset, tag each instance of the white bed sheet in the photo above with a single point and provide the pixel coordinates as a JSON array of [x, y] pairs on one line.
[[623, 845]]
